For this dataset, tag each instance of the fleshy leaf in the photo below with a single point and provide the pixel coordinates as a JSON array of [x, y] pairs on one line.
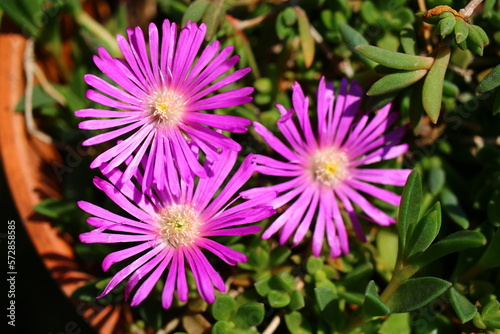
[[395, 81], [408, 39], [278, 298], [446, 26], [452, 207], [409, 208], [491, 257], [353, 38], [416, 293], [464, 309], [437, 179], [373, 306], [490, 81], [328, 304], [397, 60], [491, 314], [432, 92], [424, 232], [306, 39], [455, 242], [297, 323], [296, 300], [224, 307], [461, 30], [248, 315], [195, 11], [396, 323]]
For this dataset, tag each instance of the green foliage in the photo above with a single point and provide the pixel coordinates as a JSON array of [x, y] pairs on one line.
[[464, 309], [373, 306], [417, 292], [430, 75], [409, 210]]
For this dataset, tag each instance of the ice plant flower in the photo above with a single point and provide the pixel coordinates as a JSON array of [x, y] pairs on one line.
[[326, 167], [160, 102], [168, 232]]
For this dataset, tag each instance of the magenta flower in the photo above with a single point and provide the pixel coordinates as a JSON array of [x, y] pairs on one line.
[[325, 169], [161, 101], [169, 231]]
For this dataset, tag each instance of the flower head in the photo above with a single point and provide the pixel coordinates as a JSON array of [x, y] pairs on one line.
[[325, 168], [160, 105], [168, 231]]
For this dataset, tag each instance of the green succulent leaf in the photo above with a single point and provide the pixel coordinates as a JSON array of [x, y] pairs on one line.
[[296, 300], [408, 39], [491, 314], [396, 323], [373, 306], [425, 231], [263, 286], [297, 323], [409, 209], [475, 37], [214, 15], [416, 293], [306, 39], [358, 274], [328, 304], [490, 81], [353, 38], [224, 307], [461, 30], [432, 92], [195, 11], [437, 179], [395, 81], [397, 60], [223, 327], [491, 257], [249, 315], [446, 26], [454, 242], [278, 298], [313, 264], [452, 207], [484, 37], [463, 308]]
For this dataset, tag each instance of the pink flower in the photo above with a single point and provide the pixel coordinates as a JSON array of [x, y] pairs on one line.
[[325, 168], [169, 231], [161, 102]]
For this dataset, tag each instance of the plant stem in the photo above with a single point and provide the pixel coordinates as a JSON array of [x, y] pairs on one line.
[[469, 9], [96, 29], [392, 287]]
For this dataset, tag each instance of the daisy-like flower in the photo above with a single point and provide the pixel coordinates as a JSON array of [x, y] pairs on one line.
[[168, 232], [325, 168], [165, 89]]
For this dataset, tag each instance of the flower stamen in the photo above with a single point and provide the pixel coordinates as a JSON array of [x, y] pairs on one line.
[[329, 166], [179, 225], [166, 107]]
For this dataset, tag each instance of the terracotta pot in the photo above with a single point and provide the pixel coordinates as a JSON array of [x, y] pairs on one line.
[[28, 166]]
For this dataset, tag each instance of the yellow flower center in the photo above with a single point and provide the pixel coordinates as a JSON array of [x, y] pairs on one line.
[[167, 107], [329, 166], [179, 225]]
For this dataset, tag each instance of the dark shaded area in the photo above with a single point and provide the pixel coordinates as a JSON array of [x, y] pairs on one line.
[[40, 306]]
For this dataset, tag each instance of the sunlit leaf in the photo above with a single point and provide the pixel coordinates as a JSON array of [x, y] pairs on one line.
[[397, 60], [306, 39], [432, 91], [395, 81]]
